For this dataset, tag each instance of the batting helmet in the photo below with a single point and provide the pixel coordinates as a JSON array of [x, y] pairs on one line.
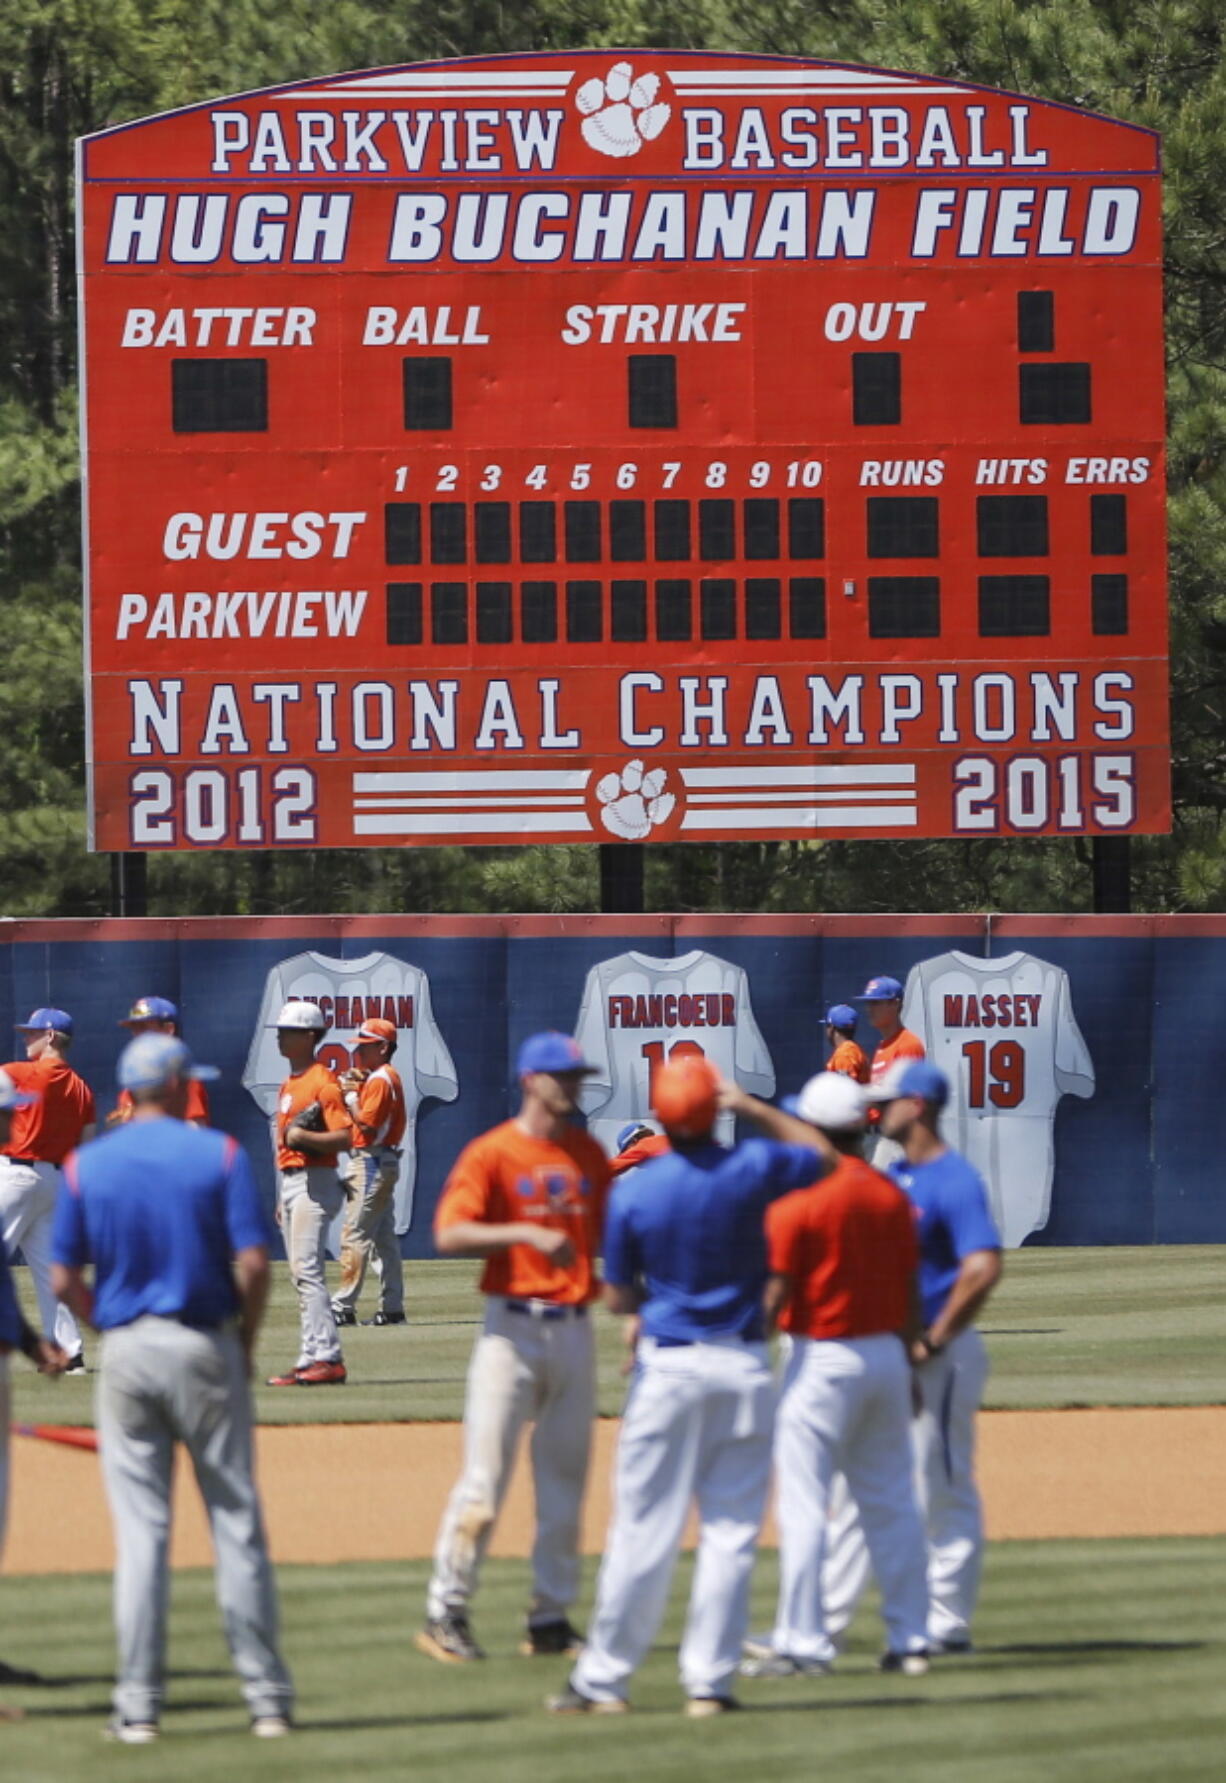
[[685, 1096]]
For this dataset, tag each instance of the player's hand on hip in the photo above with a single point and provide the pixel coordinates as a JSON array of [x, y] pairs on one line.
[[49, 1358], [558, 1247]]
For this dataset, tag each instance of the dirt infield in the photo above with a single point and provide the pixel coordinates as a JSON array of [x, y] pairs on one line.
[[375, 1491]]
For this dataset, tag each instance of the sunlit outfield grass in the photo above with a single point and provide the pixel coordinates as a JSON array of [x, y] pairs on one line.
[[1120, 1326], [1099, 1662]]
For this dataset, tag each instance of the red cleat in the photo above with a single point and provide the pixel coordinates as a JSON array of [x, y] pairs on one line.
[[322, 1374]]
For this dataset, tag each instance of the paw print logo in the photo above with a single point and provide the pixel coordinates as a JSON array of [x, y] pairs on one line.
[[634, 803], [620, 113]]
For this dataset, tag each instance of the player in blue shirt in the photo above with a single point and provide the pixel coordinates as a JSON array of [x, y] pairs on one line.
[[170, 1219], [960, 1264], [16, 1333], [685, 1260]]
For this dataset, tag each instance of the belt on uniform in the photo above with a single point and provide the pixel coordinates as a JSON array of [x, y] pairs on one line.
[[545, 1309], [687, 1343], [27, 1160]]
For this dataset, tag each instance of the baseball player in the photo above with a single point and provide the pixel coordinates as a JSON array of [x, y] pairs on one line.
[[960, 1264], [637, 1142], [374, 1098], [882, 1000], [42, 1134], [158, 1015], [529, 1197], [16, 1334], [842, 1284], [685, 1259], [846, 1056], [312, 1129], [170, 1219]]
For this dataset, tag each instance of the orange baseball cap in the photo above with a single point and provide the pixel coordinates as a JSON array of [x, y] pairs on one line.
[[685, 1096], [377, 1029]]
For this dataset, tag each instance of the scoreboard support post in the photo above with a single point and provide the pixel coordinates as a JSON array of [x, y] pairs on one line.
[[1112, 868], [129, 885], [621, 879]]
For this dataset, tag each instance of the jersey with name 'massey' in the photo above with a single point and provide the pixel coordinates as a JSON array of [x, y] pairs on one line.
[[1004, 1033], [637, 1011]]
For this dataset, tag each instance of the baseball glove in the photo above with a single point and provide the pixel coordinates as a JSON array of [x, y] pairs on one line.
[[311, 1119]]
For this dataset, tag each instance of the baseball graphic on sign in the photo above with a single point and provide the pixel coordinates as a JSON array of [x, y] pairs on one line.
[[634, 802], [620, 113], [1004, 1032]]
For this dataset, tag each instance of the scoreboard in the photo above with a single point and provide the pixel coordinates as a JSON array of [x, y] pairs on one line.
[[622, 445]]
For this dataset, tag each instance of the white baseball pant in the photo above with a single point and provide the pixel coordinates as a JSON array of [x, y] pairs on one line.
[[943, 1447], [5, 1415], [27, 1206], [846, 1405], [533, 1365], [310, 1201], [369, 1236], [697, 1425], [160, 1383]]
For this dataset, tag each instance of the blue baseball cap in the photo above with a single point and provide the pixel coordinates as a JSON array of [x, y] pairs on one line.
[[551, 1051], [841, 1015], [11, 1096], [150, 1009], [59, 1019], [632, 1131], [914, 1077], [879, 990], [151, 1060]]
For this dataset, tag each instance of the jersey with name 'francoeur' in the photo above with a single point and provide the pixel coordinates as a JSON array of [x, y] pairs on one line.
[[507, 1177]]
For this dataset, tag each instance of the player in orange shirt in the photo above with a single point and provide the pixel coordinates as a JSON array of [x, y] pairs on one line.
[[312, 1129], [637, 1143], [848, 1058], [158, 1015], [882, 1000], [529, 1197], [42, 1135], [843, 1258], [374, 1097]]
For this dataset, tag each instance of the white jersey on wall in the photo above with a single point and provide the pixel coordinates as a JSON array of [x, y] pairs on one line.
[[1004, 1033], [350, 992], [636, 1010]]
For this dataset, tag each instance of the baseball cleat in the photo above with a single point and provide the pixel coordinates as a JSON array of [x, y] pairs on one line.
[[387, 1318], [912, 1665], [271, 1727], [951, 1646], [783, 1665], [19, 1674], [702, 1708], [77, 1365], [550, 1640], [573, 1702], [322, 1374], [288, 1379], [448, 1638], [130, 1733], [344, 1315], [758, 1646]]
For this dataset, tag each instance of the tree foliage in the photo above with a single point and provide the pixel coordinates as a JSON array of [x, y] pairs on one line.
[[68, 67]]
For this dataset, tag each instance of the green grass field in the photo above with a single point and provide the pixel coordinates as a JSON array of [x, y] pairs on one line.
[[1098, 1662], [1143, 1326]]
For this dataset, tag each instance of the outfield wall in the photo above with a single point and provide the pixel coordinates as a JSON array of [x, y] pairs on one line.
[[1086, 1050]]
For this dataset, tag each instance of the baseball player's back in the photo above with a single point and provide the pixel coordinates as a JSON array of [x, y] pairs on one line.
[[849, 1059], [850, 1248]]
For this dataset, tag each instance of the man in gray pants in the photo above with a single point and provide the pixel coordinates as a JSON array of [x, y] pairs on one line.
[[170, 1218]]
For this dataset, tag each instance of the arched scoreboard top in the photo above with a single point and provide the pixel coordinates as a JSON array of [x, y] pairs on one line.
[[622, 445]]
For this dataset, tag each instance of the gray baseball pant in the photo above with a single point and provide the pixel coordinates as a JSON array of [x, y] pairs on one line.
[[310, 1201], [370, 1231], [160, 1383]]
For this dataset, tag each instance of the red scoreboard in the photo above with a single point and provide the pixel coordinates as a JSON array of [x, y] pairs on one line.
[[622, 445]]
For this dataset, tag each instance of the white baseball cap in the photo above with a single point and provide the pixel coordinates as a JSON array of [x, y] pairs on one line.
[[833, 1101], [298, 1013]]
